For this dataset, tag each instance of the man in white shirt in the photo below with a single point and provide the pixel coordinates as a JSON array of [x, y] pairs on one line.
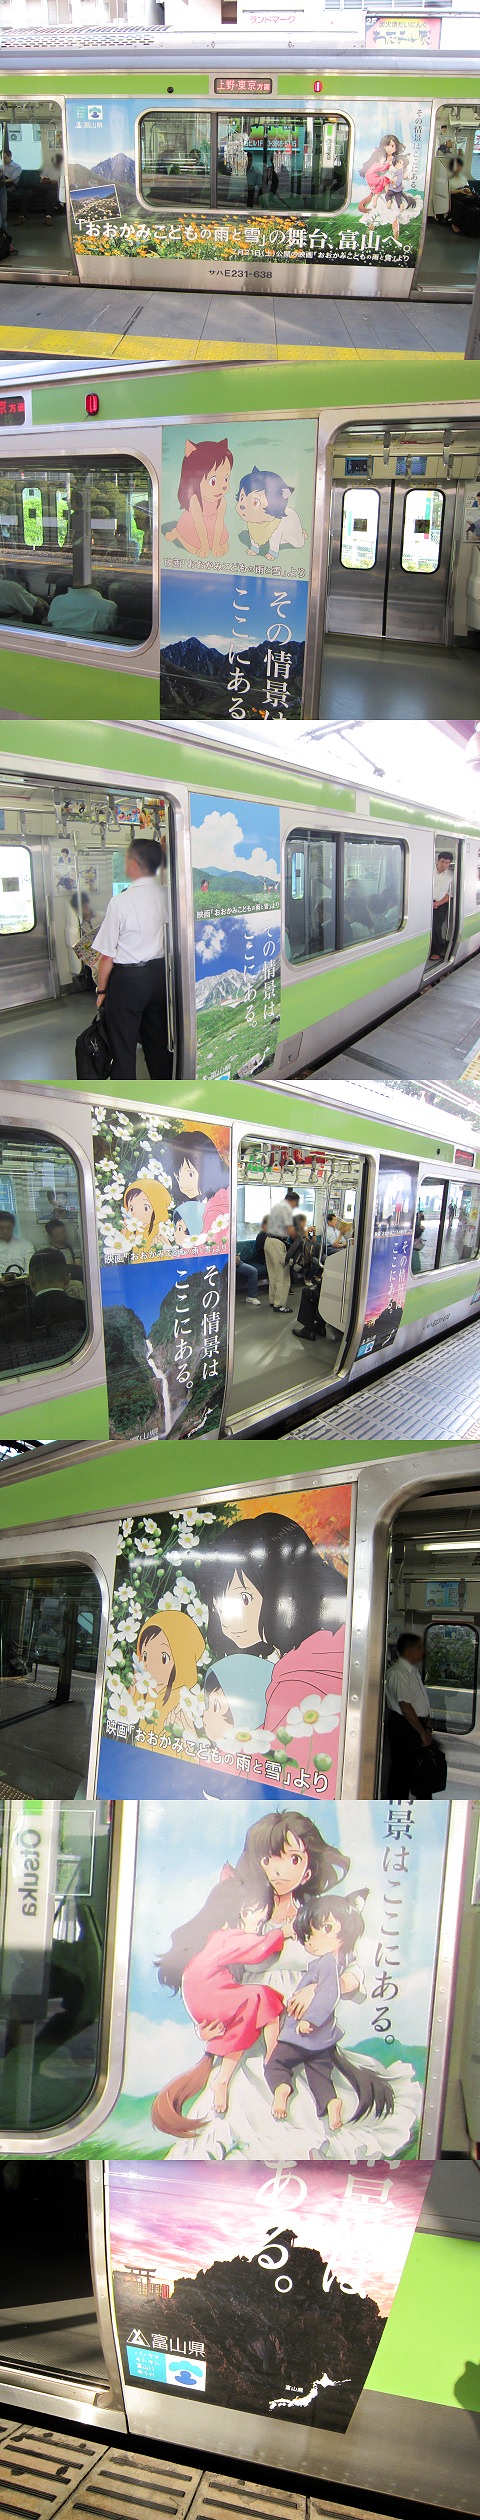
[[442, 893], [15, 1253], [409, 1718], [131, 985], [281, 1231]]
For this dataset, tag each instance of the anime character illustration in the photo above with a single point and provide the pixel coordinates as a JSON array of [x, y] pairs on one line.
[[263, 502], [168, 1650], [268, 1593], [200, 1185], [385, 174], [202, 493], [245, 1921], [147, 1208], [328, 1930]]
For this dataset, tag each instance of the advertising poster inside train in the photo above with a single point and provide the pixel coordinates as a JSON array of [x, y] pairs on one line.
[[281, 1982], [227, 1647], [236, 899], [293, 184], [266, 2295], [163, 1199], [236, 530], [391, 1254]]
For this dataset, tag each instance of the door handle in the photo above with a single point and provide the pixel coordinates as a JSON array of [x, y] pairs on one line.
[[170, 1000]]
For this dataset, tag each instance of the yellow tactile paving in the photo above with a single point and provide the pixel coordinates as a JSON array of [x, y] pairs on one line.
[[26, 339]]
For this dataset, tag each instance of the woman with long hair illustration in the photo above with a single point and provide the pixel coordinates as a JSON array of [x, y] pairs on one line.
[[245, 1920], [200, 1179], [272, 1601], [384, 174]]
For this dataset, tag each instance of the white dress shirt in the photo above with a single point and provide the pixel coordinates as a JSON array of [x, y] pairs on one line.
[[133, 930], [404, 1686], [281, 1219]]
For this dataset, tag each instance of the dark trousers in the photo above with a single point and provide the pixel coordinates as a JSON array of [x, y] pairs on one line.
[[439, 925], [136, 1010], [404, 1745], [317, 2067]]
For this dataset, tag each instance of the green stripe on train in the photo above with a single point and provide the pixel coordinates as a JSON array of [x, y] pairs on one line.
[[437, 1293], [163, 81], [236, 388], [309, 1001], [134, 1475], [261, 1106], [85, 689], [82, 1414]]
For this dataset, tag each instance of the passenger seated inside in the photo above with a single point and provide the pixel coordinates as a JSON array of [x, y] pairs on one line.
[[17, 604], [15, 1252], [82, 613], [57, 1317], [359, 923]]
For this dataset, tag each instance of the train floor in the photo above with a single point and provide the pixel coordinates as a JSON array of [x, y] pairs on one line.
[[39, 1041], [270, 1360], [370, 679], [434, 1038], [157, 324], [435, 1394]]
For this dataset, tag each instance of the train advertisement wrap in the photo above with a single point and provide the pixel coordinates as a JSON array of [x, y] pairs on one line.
[[226, 1653], [236, 901], [281, 1984], [390, 1256], [237, 519], [267, 2295], [163, 1206], [315, 189]]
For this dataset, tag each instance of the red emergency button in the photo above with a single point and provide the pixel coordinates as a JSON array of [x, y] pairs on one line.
[[92, 405], [318, 87]]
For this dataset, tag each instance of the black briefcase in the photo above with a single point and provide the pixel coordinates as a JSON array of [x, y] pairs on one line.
[[93, 1056]]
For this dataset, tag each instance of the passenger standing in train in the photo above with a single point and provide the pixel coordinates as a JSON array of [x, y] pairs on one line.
[[131, 986], [281, 1232], [15, 1252], [442, 895], [409, 1718]]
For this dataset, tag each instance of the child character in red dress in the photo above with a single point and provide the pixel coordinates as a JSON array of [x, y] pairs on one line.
[[229, 2015]]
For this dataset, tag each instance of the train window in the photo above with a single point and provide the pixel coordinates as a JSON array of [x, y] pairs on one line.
[[450, 1665], [422, 532], [359, 536], [43, 1302], [461, 1228], [50, 1620], [269, 160], [17, 906], [174, 158], [310, 877], [374, 882], [54, 1868], [76, 550], [428, 1225]]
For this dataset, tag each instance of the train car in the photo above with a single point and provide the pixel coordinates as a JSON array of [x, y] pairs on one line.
[[96, 1550], [70, 2357], [226, 173], [326, 886], [133, 1299], [333, 530], [109, 1945]]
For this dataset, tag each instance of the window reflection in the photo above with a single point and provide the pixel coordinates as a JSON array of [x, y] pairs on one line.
[[310, 895], [359, 540], [373, 889], [283, 161], [51, 1968], [461, 1231], [450, 1675], [175, 158], [426, 1228], [76, 550], [43, 1301]]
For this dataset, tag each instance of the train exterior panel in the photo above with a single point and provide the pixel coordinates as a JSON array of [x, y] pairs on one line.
[[216, 178], [90, 1546], [145, 611], [320, 973], [166, 1347]]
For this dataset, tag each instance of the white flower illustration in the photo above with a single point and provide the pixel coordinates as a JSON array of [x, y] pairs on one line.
[[314, 1714]]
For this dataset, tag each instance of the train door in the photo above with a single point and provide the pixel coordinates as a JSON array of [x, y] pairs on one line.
[[32, 137], [66, 1890], [27, 952], [295, 1289], [446, 902], [396, 510], [434, 1594], [448, 260], [50, 2342]]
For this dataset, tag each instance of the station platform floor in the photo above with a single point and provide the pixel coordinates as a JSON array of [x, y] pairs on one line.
[[54, 322], [434, 1394], [433, 1038], [39, 1041]]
